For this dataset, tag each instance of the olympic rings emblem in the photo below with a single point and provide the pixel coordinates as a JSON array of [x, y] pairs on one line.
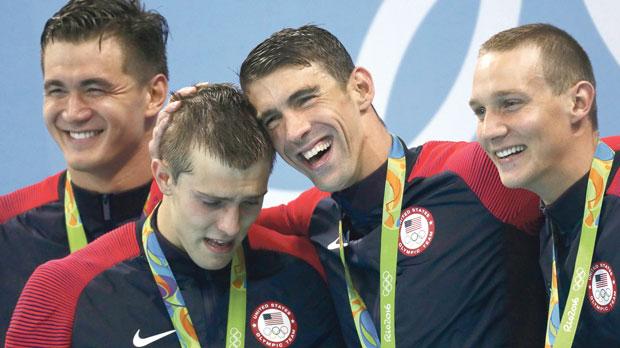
[[579, 278], [276, 332], [234, 338], [603, 294], [386, 284]]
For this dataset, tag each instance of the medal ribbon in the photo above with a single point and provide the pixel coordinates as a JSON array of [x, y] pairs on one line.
[[560, 334], [173, 298], [392, 203], [73, 223]]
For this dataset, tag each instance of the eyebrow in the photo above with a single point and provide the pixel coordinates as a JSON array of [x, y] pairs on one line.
[[52, 83], [497, 95], [214, 197], [88, 82], [292, 100], [96, 81]]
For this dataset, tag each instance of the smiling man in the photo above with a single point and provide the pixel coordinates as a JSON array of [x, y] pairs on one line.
[[422, 246], [105, 79], [188, 267], [535, 99]]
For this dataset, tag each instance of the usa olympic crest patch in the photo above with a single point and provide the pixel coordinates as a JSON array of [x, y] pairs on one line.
[[417, 229], [602, 289], [273, 325]]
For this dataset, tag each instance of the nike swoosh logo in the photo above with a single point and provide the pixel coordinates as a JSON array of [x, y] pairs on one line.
[[141, 342], [336, 244]]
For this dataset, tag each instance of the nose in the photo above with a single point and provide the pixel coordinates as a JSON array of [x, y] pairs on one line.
[[296, 125], [76, 109], [492, 127], [229, 221]]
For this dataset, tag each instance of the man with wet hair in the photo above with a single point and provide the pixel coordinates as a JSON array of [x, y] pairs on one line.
[[188, 267], [422, 246], [105, 78], [534, 95]]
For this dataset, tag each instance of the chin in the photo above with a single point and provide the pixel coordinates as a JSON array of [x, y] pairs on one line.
[[329, 184], [511, 181]]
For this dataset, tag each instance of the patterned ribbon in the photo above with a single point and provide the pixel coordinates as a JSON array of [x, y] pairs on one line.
[[73, 223], [173, 298], [392, 203], [560, 334]]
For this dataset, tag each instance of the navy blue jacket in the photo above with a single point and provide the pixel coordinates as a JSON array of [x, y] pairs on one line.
[[33, 229], [599, 324], [102, 295], [472, 280]]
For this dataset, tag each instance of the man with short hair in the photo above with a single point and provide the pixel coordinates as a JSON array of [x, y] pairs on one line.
[[535, 99], [216, 287], [105, 78], [423, 246]]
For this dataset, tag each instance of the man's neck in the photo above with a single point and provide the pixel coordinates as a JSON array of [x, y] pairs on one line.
[[132, 172], [111, 182], [376, 146], [575, 165]]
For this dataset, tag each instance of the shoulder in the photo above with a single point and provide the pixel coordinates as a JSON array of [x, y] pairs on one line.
[[470, 163], [47, 305], [438, 156], [29, 197], [614, 186]]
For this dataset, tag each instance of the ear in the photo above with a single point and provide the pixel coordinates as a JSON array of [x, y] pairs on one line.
[[157, 92], [162, 175], [362, 87], [582, 97]]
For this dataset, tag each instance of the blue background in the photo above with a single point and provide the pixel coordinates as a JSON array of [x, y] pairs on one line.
[[209, 40]]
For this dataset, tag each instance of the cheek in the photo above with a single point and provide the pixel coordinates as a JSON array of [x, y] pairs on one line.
[[278, 139], [50, 110]]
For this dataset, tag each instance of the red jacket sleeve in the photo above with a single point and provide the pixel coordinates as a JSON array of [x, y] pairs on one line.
[[293, 217], [29, 197], [517, 207], [46, 308]]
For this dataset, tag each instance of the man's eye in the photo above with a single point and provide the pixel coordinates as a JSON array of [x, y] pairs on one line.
[[55, 92], [95, 91], [305, 100], [270, 122], [480, 111], [251, 203], [212, 204], [511, 104]]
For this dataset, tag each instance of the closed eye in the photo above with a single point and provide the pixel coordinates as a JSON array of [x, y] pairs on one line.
[[54, 92], [511, 104], [271, 121], [213, 204]]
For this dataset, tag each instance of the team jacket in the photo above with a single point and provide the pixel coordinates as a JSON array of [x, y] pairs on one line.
[[105, 296], [33, 229], [599, 324], [470, 279]]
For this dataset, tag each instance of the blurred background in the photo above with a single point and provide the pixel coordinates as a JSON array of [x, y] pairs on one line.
[[421, 54]]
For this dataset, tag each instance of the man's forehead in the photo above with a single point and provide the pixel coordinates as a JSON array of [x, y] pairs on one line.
[[279, 85]]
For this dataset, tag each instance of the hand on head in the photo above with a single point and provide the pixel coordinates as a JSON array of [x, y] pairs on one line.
[[165, 114]]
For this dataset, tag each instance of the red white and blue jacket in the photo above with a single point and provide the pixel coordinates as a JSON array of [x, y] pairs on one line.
[[33, 229], [472, 280], [599, 323], [104, 296]]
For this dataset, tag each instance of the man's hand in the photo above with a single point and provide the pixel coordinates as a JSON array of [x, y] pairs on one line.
[[164, 116]]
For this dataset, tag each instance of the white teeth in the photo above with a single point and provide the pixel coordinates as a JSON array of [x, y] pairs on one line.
[[321, 146], [219, 242], [83, 135], [509, 151]]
